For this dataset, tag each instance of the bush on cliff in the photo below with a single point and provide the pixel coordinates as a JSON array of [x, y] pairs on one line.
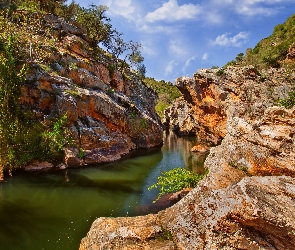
[[175, 180], [289, 102]]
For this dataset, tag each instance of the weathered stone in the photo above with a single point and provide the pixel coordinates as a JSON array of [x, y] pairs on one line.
[[1, 174], [36, 165], [72, 158], [135, 233], [291, 52], [200, 149], [255, 213], [211, 100]]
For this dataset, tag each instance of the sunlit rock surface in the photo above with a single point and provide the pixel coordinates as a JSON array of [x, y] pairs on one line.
[[127, 233], [255, 213]]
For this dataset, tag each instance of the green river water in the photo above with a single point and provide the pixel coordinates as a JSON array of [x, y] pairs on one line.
[[55, 209]]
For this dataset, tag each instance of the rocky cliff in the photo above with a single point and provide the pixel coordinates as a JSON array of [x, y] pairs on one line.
[[109, 112], [247, 199]]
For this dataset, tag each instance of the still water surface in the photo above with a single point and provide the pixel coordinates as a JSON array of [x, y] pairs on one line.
[[55, 209]]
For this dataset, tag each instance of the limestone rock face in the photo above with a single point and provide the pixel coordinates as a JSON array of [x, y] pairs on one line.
[[108, 113], [212, 98]]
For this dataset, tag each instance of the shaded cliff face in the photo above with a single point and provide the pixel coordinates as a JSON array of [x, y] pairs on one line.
[[108, 113], [247, 199]]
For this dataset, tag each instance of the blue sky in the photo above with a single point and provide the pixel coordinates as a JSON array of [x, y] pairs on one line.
[[181, 36]]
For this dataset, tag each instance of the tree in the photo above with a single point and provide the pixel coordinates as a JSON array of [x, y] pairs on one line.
[[239, 57], [99, 28]]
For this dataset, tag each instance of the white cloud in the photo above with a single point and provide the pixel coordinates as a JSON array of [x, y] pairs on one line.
[[148, 48], [119, 7], [171, 11], [250, 11], [205, 57], [213, 17], [170, 67], [250, 8], [188, 63], [176, 47], [234, 41], [156, 29]]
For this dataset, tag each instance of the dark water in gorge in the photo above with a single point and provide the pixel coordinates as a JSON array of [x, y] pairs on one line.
[[55, 209]]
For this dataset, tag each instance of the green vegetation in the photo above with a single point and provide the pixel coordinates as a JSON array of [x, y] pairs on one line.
[[175, 180], [22, 137], [220, 72], [74, 92], [242, 168], [166, 91], [81, 153], [271, 51], [164, 235], [289, 102]]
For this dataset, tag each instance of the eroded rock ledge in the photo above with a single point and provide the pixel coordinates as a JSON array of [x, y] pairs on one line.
[[247, 201]]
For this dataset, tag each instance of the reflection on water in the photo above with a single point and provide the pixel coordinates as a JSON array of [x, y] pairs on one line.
[[55, 209], [183, 145]]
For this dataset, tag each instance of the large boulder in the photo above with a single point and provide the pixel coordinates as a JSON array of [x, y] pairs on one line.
[[213, 97]]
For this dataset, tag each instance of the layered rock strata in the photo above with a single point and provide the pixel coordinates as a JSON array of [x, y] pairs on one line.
[[247, 199], [109, 113]]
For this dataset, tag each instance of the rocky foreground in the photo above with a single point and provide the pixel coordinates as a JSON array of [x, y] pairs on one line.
[[247, 201]]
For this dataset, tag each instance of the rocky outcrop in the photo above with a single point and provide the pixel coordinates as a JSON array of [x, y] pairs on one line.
[[247, 199], [254, 213], [212, 97], [109, 113], [127, 233]]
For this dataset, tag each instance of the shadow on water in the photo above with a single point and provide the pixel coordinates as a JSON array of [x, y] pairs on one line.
[[17, 230], [55, 209]]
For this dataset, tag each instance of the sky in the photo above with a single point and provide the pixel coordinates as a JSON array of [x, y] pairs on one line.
[[178, 37]]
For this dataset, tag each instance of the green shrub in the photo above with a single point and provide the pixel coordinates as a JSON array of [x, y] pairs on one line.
[[54, 139], [22, 137], [289, 102], [81, 153], [175, 180], [220, 72]]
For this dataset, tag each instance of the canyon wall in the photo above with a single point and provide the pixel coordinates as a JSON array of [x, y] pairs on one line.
[[109, 112]]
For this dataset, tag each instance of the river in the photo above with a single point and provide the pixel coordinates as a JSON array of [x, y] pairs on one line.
[[55, 209]]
